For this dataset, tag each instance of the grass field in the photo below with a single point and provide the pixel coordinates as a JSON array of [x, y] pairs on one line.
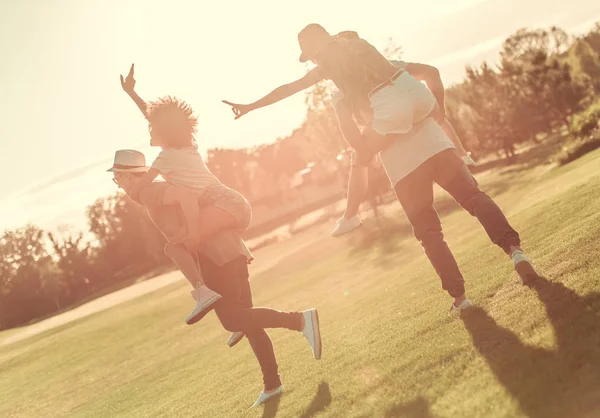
[[389, 347]]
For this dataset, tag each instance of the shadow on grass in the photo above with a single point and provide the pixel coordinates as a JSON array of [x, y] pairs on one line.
[[383, 234], [320, 402], [387, 234], [419, 408], [271, 408], [564, 382], [541, 153]]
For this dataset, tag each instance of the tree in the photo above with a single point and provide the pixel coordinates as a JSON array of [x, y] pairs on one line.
[[584, 60], [126, 238], [392, 50], [526, 42], [29, 283], [593, 38], [73, 260], [231, 167]]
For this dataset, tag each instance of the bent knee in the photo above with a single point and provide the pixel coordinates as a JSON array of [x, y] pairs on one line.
[[473, 200], [430, 236]]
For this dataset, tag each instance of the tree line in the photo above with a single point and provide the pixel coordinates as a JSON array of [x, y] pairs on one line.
[[545, 81]]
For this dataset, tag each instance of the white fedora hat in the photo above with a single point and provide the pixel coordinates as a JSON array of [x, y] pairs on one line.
[[129, 161]]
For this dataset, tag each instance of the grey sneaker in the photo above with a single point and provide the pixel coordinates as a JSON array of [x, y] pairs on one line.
[[312, 331], [343, 225], [264, 397], [524, 267], [468, 160], [205, 301], [465, 304], [235, 338]]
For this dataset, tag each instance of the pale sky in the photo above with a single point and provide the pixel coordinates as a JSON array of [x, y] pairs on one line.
[[62, 106]]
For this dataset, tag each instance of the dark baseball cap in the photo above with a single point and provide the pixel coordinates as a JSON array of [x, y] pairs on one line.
[[313, 39]]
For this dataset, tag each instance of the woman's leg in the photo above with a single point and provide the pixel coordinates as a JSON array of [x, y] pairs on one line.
[[358, 182], [452, 175]]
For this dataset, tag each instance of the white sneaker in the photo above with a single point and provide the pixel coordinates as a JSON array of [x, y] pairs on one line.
[[468, 160], [524, 267], [264, 397], [312, 331], [345, 225], [205, 300], [465, 304], [235, 338]]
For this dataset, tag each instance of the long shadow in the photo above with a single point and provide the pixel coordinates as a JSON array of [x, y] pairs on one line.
[[320, 402], [563, 382], [419, 408], [385, 233]]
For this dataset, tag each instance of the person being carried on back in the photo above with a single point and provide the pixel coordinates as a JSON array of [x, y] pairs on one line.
[[207, 204], [387, 97]]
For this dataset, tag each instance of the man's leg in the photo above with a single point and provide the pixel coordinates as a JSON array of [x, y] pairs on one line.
[[239, 315], [236, 313], [454, 177], [415, 193], [261, 344], [237, 298]]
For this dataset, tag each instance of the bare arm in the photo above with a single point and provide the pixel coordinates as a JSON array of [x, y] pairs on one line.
[[310, 79], [141, 104], [128, 84], [431, 76], [350, 131], [367, 143]]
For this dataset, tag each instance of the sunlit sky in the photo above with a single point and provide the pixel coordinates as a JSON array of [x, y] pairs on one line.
[[62, 105]]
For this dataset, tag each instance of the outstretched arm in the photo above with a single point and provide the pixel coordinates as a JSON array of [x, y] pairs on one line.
[[310, 79], [128, 84], [431, 76]]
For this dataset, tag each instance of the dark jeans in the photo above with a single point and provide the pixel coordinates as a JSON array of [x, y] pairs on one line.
[[415, 193], [236, 313]]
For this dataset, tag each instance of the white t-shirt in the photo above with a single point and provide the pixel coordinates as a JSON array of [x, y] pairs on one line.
[[185, 167], [404, 155]]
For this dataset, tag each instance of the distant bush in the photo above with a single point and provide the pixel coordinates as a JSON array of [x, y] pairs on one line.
[[585, 123], [578, 151]]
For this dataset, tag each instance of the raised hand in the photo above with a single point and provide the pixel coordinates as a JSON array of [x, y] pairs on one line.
[[238, 110], [128, 83]]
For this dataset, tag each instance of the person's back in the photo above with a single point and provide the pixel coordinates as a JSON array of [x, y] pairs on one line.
[[185, 167], [385, 96]]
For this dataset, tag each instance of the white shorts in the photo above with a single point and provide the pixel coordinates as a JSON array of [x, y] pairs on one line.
[[400, 105]]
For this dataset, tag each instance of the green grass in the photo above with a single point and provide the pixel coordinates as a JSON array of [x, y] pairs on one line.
[[390, 349]]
